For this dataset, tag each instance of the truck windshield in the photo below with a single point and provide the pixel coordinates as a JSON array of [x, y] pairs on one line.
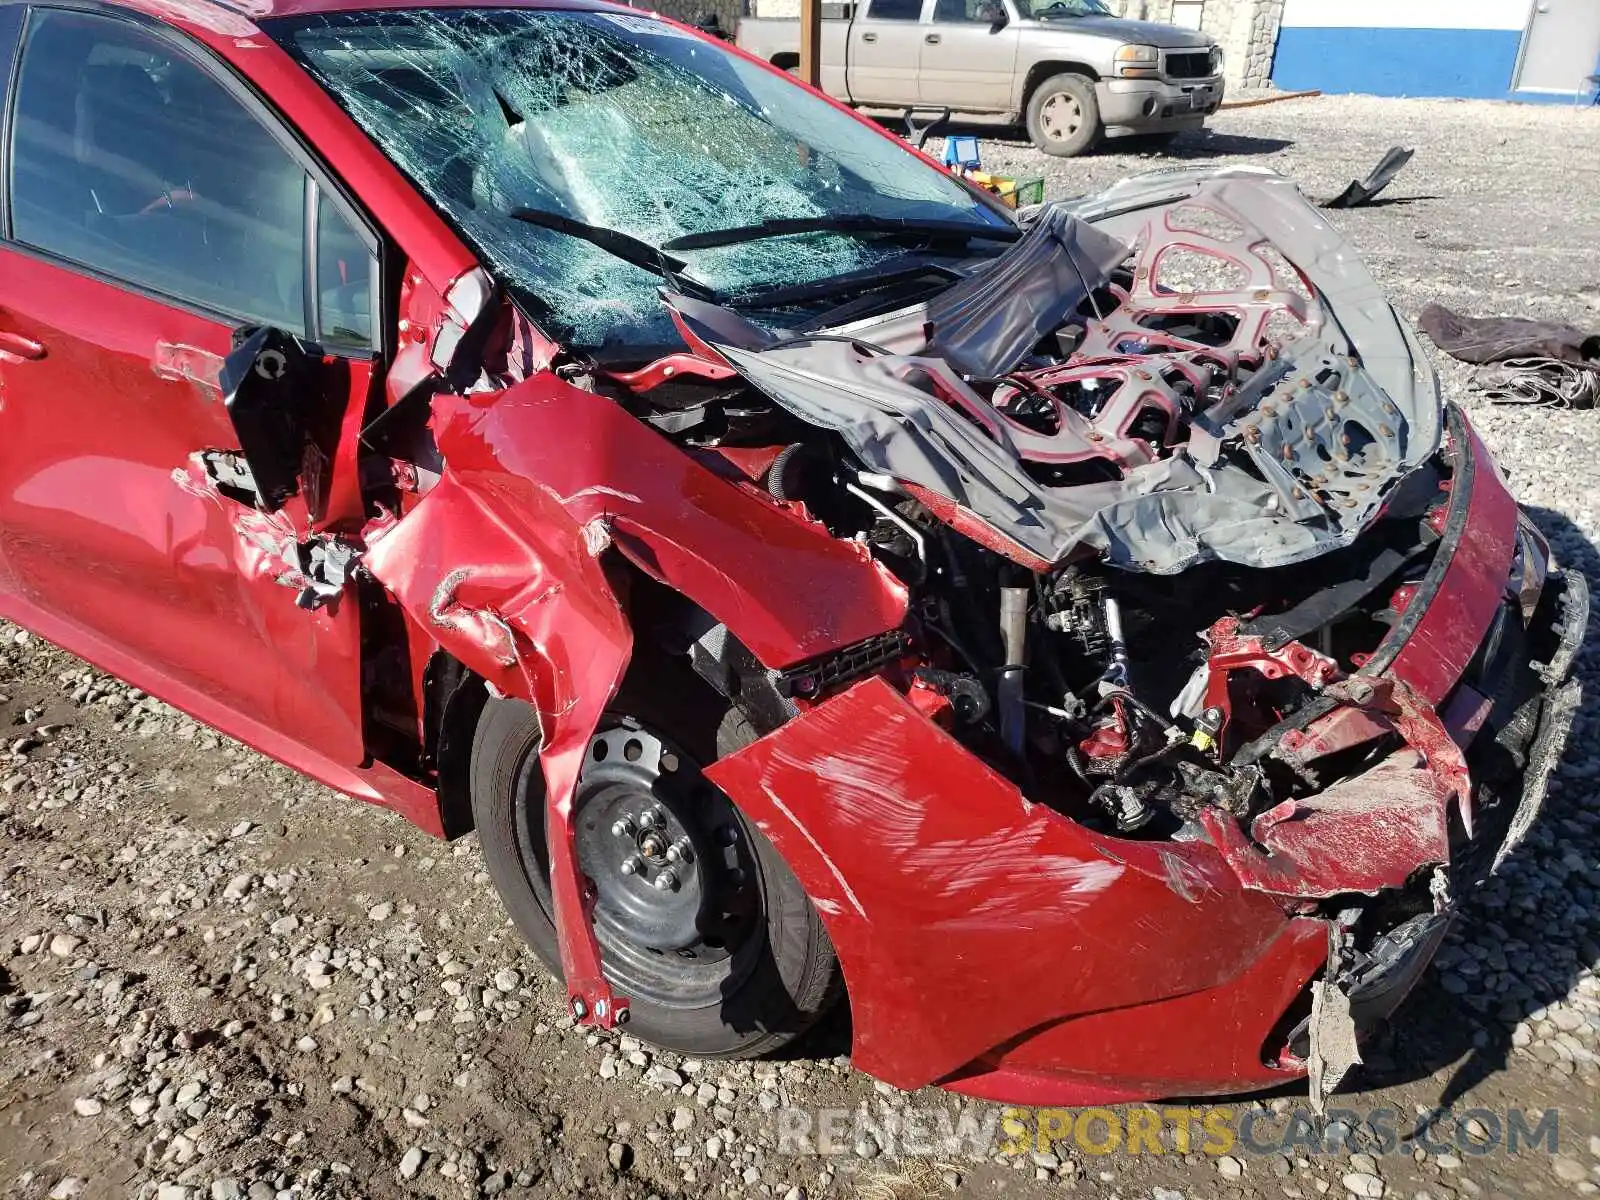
[[629, 133], [1062, 8]]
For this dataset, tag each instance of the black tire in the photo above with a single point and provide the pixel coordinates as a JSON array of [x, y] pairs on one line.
[[778, 973], [1063, 115]]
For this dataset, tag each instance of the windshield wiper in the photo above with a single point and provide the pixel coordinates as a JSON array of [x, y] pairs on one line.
[[613, 241], [899, 227], [869, 278]]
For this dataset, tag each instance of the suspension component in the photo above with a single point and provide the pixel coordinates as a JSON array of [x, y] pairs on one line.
[[1014, 633]]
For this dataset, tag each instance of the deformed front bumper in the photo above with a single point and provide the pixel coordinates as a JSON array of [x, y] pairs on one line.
[[997, 947], [1379, 978], [1133, 106]]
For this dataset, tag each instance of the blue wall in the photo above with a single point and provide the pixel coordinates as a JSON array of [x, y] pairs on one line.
[[1465, 63]]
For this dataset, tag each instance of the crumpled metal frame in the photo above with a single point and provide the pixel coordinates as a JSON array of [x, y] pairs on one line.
[[1314, 429]]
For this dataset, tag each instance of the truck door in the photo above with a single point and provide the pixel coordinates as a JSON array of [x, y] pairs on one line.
[[968, 56], [885, 39]]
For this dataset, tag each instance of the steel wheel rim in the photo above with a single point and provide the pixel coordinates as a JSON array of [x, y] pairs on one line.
[[1061, 116], [687, 945]]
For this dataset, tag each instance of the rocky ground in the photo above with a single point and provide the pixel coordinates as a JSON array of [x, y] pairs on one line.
[[219, 980]]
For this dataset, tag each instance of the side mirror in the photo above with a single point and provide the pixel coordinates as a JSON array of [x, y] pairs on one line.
[[997, 17]]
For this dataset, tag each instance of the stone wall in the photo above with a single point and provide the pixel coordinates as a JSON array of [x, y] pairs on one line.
[[1143, 10], [1247, 30]]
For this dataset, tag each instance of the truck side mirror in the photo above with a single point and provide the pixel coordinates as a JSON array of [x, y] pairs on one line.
[[996, 16]]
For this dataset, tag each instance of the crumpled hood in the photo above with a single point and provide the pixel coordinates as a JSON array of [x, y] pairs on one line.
[[1286, 437]]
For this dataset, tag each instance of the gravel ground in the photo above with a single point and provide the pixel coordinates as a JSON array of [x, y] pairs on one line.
[[218, 979]]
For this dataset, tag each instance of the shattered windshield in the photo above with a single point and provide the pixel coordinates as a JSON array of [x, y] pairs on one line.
[[542, 133]]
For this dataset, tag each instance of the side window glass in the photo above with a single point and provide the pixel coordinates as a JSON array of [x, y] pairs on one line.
[[973, 11], [894, 10], [128, 158], [345, 279]]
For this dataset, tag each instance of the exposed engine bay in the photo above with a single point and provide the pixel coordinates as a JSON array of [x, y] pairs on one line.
[[810, 578], [1150, 517], [1155, 484]]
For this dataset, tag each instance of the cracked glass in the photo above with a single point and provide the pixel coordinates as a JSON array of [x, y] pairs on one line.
[[621, 122]]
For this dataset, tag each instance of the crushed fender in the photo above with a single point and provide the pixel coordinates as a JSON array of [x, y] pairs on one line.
[[500, 561]]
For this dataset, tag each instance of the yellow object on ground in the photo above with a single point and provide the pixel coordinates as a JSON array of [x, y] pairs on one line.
[[1012, 192]]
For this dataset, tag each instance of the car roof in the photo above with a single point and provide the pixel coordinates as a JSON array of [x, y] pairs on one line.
[[266, 9], [214, 13]]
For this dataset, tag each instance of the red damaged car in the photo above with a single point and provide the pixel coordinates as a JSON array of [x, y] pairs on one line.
[[1063, 633]]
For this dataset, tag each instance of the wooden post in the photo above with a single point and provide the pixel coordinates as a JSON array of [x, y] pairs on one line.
[[811, 42]]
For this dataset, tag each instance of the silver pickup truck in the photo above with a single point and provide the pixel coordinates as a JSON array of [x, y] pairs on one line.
[[1067, 69]]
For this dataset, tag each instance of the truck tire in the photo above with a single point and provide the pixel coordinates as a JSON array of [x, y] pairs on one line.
[[731, 961], [1064, 115]]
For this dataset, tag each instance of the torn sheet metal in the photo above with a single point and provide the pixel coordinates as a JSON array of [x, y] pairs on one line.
[[271, 545], [923, 862], [1363, 834], [784, 586], [1293, 457], [499, 572], [500, 561], [985, 324], [1372, 831]]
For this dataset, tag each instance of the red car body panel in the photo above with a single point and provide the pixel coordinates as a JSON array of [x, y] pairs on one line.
[[990, 944], [936, 877], [967, 918], [499, 563], [1431, 654], [95, 530]]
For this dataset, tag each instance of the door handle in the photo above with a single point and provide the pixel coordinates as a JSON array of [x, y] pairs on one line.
[[932, 39], [869, 37], [21, 347]]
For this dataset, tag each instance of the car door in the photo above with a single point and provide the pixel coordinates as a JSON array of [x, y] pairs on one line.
[[10, 349], [153, 210], [967, 63], [884, 41]]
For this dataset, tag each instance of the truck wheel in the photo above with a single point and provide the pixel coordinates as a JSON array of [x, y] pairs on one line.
[[1064, 115], [723, 958]]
